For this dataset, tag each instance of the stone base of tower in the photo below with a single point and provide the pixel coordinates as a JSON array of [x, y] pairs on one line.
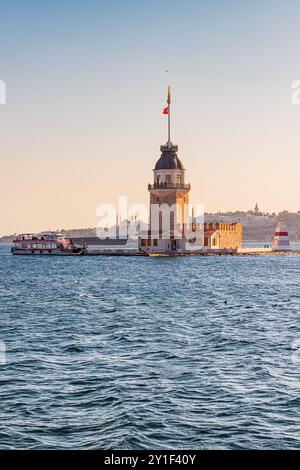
[[157, 245], [208, 238]]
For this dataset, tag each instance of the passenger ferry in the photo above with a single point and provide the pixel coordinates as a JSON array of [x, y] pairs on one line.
[[45, 244]]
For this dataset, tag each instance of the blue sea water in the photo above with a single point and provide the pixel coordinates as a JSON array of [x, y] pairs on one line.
[[143, 353]]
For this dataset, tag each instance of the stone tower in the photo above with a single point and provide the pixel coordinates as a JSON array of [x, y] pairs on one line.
[[168, 191]]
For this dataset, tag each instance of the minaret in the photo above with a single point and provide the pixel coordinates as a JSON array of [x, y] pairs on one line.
[[169, 188]]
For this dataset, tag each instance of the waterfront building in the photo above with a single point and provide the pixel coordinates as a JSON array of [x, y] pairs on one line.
[[223, 235]]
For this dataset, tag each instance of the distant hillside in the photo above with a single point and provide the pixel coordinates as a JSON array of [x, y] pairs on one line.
[[256, 226], [7, 239], [72, 233], [260, 227]]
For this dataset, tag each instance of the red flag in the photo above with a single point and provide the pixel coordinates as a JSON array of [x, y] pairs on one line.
[[166, 110]]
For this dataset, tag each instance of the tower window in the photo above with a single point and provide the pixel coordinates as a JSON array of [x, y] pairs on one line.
[[168, 179], [178, 179]]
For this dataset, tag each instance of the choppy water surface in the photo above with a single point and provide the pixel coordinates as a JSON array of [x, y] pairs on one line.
[[134, 353]]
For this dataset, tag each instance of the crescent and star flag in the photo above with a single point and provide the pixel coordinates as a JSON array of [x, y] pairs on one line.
[[166, 110]]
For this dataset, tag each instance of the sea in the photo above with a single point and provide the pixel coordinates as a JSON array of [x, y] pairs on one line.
[[149, 353]]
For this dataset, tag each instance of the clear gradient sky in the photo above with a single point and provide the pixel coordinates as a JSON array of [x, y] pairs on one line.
[[85, 90]]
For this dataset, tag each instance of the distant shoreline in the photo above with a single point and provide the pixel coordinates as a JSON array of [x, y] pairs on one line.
[[257, 227]]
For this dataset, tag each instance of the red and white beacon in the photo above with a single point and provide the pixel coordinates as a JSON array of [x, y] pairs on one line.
[[281, 240]]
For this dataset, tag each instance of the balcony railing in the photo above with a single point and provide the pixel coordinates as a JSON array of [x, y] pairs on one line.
[[169, 186]]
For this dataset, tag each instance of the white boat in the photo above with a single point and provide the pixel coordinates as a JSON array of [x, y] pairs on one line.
[[45, 244]]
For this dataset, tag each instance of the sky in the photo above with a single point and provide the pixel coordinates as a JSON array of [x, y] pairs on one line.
[[86, 86]]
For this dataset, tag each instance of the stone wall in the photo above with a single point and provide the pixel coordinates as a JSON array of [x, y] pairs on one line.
[[230, 235]]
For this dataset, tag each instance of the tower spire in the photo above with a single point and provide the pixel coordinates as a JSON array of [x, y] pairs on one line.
[[169, 115]]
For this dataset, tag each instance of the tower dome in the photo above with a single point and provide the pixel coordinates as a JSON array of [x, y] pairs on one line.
[[169, 159]]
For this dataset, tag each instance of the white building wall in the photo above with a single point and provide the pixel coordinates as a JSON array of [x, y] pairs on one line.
[[174, 174]]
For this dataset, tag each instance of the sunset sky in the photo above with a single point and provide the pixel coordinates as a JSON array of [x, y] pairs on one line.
[[86, 86]]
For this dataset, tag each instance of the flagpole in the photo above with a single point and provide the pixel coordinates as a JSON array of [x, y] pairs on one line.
[[169, 115]]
